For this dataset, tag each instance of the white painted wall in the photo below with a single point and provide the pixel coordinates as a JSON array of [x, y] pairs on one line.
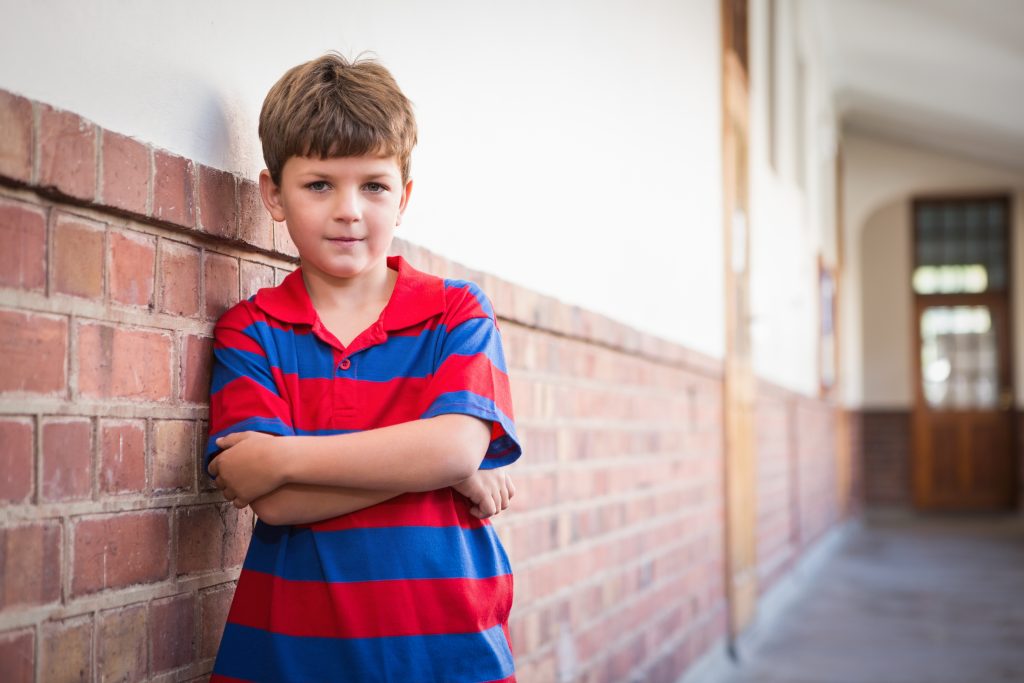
[[880, 179], [790, 223], [572, 146]]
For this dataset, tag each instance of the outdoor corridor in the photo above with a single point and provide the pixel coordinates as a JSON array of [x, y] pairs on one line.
[[905, 599]]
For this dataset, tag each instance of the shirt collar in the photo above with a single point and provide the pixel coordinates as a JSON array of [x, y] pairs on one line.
[[417, 296]]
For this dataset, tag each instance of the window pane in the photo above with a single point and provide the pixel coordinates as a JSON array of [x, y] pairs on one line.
[[959, 358], [960, 247]]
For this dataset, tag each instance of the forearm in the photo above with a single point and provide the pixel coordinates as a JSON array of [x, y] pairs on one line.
[[305, 504], [421, 455]]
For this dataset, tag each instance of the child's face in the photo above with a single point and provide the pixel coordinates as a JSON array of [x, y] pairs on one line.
[[341, 212]]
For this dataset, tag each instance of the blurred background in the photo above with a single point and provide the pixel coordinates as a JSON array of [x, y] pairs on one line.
[[758, 270]]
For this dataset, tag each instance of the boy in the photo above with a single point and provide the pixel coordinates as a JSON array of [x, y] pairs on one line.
[[345, 404]]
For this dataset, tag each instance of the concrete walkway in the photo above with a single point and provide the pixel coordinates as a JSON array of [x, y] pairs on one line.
[[906, 599]]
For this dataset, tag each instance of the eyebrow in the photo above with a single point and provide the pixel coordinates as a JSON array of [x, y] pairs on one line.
[[386, 175]]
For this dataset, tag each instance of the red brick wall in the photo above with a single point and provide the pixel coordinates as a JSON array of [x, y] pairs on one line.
[[885, 454], [118, 560], [797, 487]]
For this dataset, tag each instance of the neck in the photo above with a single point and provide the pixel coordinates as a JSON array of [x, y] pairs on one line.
[[370, 289]]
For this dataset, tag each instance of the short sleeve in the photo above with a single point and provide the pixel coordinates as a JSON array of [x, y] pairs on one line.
[[243, 393], [471, 378]]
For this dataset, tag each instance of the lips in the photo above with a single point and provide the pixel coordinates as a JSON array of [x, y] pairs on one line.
[[344, 240]]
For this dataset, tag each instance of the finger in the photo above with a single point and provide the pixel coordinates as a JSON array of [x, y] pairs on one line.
[[214, 468], [511, 487], [232, 439], [220, 483], [239, 503], [228, 493], [488, 507], [475, 511], [504, 498]]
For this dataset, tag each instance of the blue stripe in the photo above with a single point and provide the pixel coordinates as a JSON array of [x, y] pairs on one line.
[[476, 335], [257, 655], [475, 290], [294, 353], [376, 554], [230, 364], [402, 356]]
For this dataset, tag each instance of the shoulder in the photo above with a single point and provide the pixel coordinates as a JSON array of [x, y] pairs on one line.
[[465, 300], [240, 316]]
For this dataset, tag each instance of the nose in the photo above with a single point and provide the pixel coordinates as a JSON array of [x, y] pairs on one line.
[[347, 207]]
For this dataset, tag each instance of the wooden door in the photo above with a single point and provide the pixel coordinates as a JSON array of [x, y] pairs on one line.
[[964, 454], [740, 466]]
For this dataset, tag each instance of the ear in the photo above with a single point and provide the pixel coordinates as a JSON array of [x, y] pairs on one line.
[[406, 191], [271, 195]]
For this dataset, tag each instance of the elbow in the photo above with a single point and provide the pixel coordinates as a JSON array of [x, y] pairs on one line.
[[461, 465], [268, 512], [463, 448]]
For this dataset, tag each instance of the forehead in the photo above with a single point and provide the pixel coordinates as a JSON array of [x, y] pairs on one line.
[[361, 165]]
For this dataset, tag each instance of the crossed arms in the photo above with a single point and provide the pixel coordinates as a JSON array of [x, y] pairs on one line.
[[303, 479]]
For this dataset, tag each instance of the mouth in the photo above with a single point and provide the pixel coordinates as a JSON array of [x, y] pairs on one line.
[[344, 240]]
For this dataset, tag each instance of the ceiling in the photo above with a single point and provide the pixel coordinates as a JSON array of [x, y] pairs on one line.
[[947, 74]]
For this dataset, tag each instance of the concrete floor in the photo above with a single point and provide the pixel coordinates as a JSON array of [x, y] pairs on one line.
[[906, 599]]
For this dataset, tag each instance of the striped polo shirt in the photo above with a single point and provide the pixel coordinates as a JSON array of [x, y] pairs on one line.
[[415, 589]]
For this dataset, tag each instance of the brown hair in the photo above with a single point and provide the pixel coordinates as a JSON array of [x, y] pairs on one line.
[[331, 107]]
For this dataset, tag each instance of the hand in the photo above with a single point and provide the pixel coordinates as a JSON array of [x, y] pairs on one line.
[[248, 467], [489, 490]]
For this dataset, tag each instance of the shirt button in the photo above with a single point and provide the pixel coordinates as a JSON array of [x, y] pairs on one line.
[[345, 364]]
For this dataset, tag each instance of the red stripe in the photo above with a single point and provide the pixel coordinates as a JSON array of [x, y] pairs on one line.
[[473, 373], [244, 398], [443, 507], [217, 678], [371, 609]]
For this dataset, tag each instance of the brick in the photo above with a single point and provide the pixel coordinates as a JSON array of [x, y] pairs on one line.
[[122, 456], [77, 265], [67, 463], [120, 648], [23, 258], [17, 460], [30, 559], [33, 352], [201, 535], [126, 173], [16, 142], [255, 276], [173, 189], [214, 605], [220, 276], [132, 268], [174, 454], [256, 227], [113, 551], [67, 153], [119, 363], [283, 241], [172, 632], [218, 208], [65, 653], [196, 358], [18, 657], [179, 278]]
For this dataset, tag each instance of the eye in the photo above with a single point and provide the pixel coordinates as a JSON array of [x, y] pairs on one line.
[[318, 186], [375, 188]]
